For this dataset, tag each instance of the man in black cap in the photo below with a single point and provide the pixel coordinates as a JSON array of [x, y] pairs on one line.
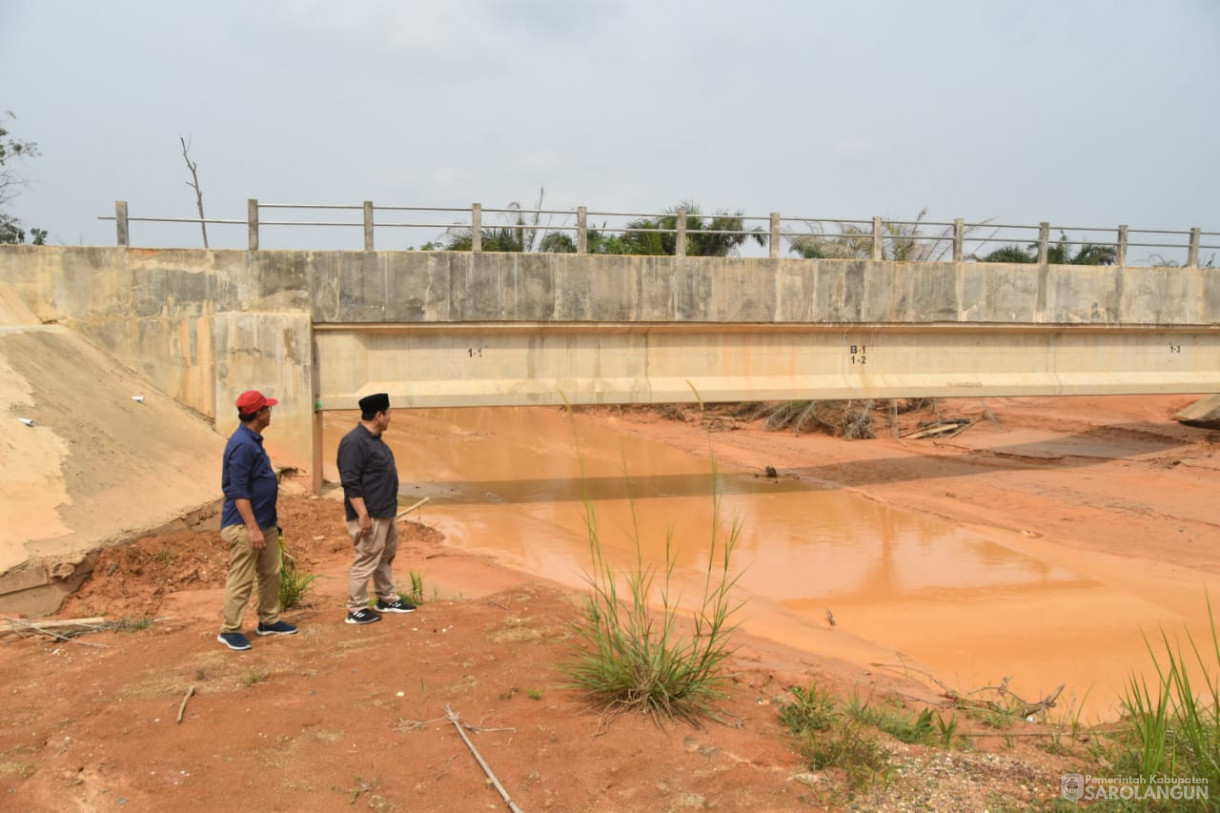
[[370, 500]]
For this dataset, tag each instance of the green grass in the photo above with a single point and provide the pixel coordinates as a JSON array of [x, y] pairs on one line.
[[135, 624], [840, 734], [293, 583], [831, 735], [416, 596], [632, 655], [1173, 724], [923, 728]]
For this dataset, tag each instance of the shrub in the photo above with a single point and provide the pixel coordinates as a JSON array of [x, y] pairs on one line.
[[635, 658], [293, 583]]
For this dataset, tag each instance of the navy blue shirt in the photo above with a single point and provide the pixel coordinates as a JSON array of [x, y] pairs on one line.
[[247, 475], [367, 470]]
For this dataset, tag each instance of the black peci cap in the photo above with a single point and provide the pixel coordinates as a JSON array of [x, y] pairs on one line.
[[378, 402]]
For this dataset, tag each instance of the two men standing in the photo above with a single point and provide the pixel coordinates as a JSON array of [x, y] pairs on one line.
[[370, 501], [249, 519], [249, 525]]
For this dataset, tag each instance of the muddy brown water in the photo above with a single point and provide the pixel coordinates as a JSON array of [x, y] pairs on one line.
[[967, 606]]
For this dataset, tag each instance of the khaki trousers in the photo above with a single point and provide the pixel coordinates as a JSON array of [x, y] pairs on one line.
[[374, 555], [246, 566]]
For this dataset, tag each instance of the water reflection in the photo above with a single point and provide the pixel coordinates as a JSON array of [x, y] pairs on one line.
[[513, 481]]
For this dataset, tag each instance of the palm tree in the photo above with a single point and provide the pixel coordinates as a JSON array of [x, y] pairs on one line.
[[1059, 253], [519, 234], [596, 242], [719, 236]]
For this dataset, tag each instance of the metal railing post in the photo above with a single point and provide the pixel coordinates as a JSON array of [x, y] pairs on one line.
[[368, 225], [680, 237], [476, 227], [252, 222], [120, 223], [876, 239], [1192, 254], [1120, 254], [582, 230], [959, 237], [774, 248], [1044, 239]]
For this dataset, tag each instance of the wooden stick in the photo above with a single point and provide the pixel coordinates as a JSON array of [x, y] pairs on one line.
[[24, 625], [406, 511], [453, 718], [20, 625], [182, 708]]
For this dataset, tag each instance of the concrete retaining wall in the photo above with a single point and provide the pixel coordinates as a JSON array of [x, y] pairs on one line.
[[205, 325]]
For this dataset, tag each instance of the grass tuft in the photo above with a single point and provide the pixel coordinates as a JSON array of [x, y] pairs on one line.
[[1173, 725], [135, 624], [253, 678], [293, 583], [637, 659], [632, 655], [416, 596]]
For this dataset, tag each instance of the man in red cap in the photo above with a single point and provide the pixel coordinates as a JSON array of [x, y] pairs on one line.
[[248, 524]]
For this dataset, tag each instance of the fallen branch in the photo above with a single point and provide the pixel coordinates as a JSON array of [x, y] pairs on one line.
[[1023, 709], [22, 627], [944, 429], [182, 707], [904, 667], [453, 718]]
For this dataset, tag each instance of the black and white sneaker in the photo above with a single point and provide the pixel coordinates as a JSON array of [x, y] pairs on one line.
[[278, 628], [234, 641], [395, 606], [363, 617]]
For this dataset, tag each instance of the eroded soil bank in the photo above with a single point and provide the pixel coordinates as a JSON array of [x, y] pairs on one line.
[[340, 716]]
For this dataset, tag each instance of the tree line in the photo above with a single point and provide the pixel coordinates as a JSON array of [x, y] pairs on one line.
[[12, 151], [722, 233]]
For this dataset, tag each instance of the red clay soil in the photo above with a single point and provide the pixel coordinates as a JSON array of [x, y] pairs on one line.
[[342, 717]]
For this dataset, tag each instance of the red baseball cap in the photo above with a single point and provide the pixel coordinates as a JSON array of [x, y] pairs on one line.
[[252, 401]]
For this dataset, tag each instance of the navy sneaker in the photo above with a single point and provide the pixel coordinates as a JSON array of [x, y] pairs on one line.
[[363, 617], [395, 606], [278, 628], [234, 640]]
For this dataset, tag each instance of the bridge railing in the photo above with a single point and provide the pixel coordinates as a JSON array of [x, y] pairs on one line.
[[581, 231]]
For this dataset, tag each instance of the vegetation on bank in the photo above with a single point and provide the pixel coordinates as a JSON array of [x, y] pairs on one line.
[[1168, 736], [634, 655]]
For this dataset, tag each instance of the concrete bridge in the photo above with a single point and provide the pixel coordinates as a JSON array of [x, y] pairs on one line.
[[320, 329]]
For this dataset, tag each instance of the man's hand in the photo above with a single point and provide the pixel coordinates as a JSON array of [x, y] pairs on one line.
[[257, 541], [366, 524]]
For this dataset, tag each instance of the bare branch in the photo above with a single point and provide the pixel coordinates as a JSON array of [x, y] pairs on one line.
[[194, 184]]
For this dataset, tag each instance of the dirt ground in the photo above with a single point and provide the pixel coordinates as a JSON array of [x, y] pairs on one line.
[[342, 717]]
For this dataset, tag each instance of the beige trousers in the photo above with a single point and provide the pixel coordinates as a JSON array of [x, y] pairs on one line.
[[374, 555], [246, 566]]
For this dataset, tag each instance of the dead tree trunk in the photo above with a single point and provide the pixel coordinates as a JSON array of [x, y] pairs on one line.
[[194, 184]]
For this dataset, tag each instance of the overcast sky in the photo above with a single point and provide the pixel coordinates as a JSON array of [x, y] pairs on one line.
[[1081, 113]]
